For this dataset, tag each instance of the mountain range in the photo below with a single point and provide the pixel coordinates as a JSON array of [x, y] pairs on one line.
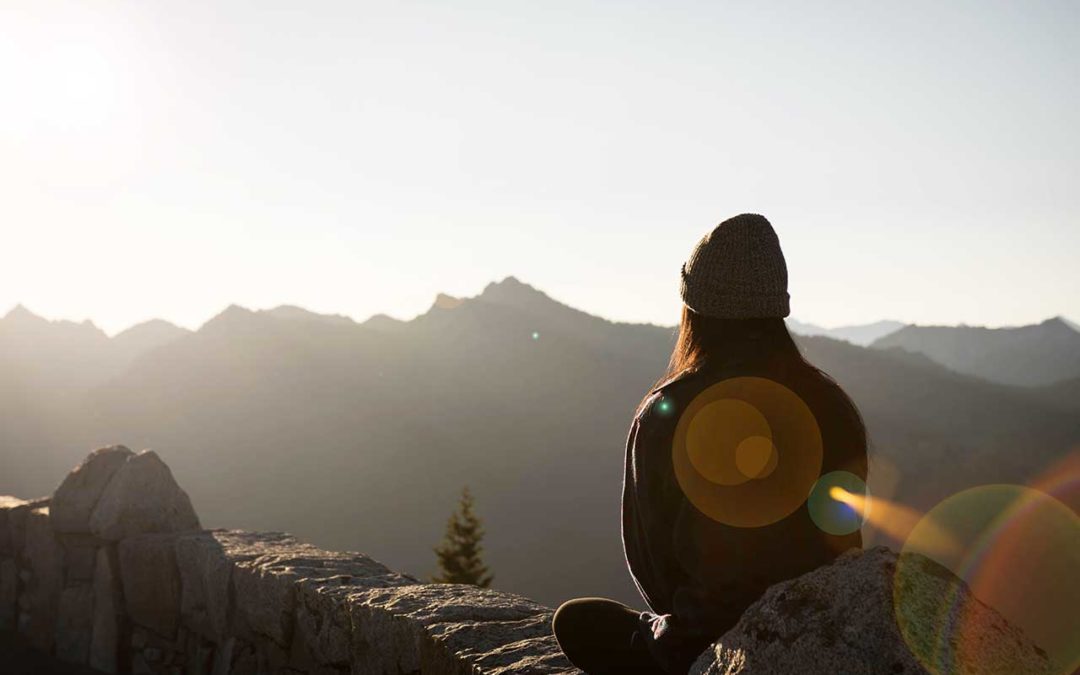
[[360, 435], [1034, 355], [859, 334]]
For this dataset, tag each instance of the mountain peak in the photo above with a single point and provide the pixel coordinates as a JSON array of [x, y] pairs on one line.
[[1058, 323], [233, 315], [151, 333], [382, 322], [25, 320], [444, 301], [292, 312], [513, 291], [21, 313]]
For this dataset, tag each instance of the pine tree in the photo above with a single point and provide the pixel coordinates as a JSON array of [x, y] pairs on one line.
[[459, 553]]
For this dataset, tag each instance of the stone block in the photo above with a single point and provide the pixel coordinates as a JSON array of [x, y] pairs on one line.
[[151, 582], [44, 557], [8, 505], [390, 625], [105, 637], [9, 588], [74, 623], [16, 513], [323, 624], [80, 552], [205, 568]]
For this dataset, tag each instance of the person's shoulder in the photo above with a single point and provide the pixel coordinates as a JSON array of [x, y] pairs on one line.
[[669, 396]]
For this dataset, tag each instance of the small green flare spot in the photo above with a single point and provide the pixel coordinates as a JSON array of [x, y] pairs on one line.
[[664, 406], [535, 335]]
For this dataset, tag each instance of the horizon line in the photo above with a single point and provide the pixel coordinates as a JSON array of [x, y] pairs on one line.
[[509, 278]]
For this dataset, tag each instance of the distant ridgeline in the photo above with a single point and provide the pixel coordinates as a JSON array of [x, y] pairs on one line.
[[113, 571]]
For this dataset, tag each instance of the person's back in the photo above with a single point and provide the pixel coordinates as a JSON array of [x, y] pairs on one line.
[[720, 459]]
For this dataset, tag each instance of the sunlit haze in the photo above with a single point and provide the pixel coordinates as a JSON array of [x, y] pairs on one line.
[[918, 160]]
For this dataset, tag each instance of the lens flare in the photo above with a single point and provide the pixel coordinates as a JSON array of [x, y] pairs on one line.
[[716, 433], [664, 407], [895, 520], [837, 502], [756, 457], [1018, 550], [746, 451], [1062, 481]]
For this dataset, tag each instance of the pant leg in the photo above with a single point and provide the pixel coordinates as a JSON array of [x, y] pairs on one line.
[[600, 636]]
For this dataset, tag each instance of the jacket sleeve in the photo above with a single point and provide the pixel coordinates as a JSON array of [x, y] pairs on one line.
[[685, 616]]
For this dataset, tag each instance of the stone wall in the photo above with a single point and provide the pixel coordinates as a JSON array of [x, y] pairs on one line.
[[114, 571]]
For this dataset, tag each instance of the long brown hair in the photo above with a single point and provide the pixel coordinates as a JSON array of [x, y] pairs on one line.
[[705, 341], [765, 344]]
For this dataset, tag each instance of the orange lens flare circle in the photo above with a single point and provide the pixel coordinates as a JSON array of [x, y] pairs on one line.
[[747, 451], [1017, 550]]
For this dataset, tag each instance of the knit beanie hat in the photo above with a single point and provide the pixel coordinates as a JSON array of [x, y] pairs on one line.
[[737, 271]]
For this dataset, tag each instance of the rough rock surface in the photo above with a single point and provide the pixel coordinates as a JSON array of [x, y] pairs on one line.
[[151, 582], [840, 619], [74, 622], [15, 512], [75, 499], [45, 568], [205, 561], [105, 635], [451, 628], [142, 497], [8, 505], [9, 594]]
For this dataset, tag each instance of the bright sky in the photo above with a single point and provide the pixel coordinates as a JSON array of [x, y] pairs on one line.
[[920, 161]]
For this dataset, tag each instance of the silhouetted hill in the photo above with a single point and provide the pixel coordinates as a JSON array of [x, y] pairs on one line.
[[865, 334], [146, 336], [859, 334], [1026, 355], [301, 314], [360, 435]]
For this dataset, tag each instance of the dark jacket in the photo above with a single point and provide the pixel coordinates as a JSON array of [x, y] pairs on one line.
[[698, 575]]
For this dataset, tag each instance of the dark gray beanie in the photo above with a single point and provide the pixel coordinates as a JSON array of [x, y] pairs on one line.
[[737, 271]]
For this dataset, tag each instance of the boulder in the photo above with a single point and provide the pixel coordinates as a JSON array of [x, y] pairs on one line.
[[75, 499], [105, 636], [841, 618], [142, 497], [150, 580]]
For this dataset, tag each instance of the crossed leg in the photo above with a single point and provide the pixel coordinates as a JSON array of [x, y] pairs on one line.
[[600, 637]]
